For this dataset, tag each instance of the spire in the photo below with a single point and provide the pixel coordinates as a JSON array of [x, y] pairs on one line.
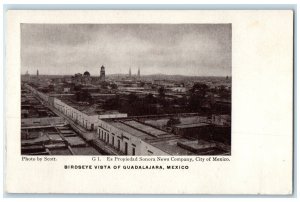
[[139, 73], [130, 72]]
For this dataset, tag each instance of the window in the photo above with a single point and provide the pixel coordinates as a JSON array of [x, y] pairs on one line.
[[119, 144], [92, 126], [126, 148], [113, 140], [133, 151]]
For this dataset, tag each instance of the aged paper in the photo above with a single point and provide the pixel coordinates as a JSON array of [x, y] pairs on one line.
[[251, 51]]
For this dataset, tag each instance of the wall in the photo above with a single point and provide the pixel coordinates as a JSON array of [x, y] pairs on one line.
[[149, 150], [109, 116], [107, 133]]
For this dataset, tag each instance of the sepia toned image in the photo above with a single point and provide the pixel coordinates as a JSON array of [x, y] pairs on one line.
[[126, 89]]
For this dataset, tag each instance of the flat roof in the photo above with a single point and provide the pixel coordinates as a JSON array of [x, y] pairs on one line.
[[193, 125], [87, 109], [171, 147], [146, 128], [184, 119], [160, 139], [131, 130]]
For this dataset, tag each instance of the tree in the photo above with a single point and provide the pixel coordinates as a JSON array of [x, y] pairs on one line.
[[132, 97], [161, 91], [197, 96], [77, 87], [104, 85], [142, 84], [50, 88], [83, 96], [199, 89], [223, 92], [149, 99], [114, 86], [112, 104]]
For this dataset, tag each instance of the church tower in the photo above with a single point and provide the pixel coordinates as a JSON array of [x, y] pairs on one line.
[[102, 73], [139, 74], [129, 72]]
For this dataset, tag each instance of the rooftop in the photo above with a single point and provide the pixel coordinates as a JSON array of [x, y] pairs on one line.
[[171, 147], [131, 130], [150, 130], [193, 125], [82, 107], [166, 142], [85, 108], [31, 107], [61, 140]]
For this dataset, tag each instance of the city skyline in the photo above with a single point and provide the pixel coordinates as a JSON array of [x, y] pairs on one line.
[[179, 49], [118, 74]]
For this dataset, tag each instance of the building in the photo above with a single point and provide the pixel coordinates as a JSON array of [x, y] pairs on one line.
[[45, 133], [82, 79], [134, 138], [139, 74], [194, 130], [178, 89], [85, 116], [129, 136], [102, 74]]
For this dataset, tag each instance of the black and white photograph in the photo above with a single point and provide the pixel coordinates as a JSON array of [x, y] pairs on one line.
[[126, 89], [149, 102]]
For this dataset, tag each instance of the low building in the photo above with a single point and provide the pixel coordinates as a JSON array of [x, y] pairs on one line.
[[132, 137], [193, 131], [177, 89], [85, 116]]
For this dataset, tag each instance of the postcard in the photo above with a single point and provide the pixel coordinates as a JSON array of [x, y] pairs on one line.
[[149, 102]]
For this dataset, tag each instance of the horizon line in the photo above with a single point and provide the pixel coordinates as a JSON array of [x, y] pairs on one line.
[[155, 74]]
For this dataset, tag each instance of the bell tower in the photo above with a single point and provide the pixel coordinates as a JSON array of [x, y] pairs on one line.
[[102, 73]]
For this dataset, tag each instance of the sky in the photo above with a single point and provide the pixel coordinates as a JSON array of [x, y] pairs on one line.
[[181, 49]]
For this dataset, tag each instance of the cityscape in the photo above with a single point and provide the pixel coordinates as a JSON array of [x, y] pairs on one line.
[[111, 110]]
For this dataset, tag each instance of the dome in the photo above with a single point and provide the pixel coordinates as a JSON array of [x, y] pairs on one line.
[[86, 73]]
